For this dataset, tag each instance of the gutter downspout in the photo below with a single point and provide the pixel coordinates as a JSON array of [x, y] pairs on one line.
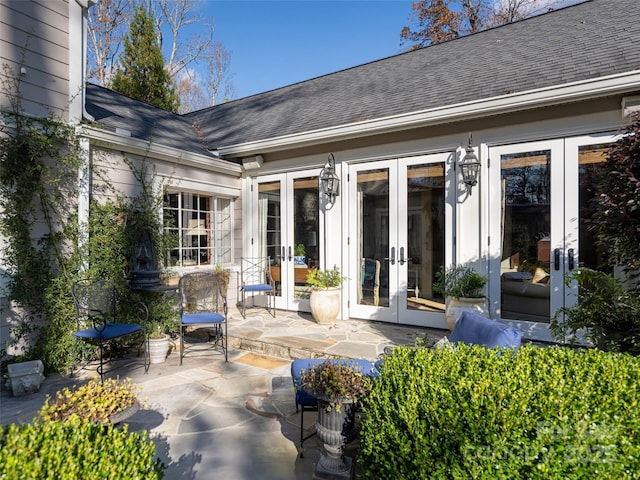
[[85, 4], [84, 170]]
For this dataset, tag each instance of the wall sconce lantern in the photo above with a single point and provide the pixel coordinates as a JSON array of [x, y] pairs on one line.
[[469, 167], [329, 181]]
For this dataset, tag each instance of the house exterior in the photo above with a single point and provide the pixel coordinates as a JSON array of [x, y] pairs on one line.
[[537, 102]]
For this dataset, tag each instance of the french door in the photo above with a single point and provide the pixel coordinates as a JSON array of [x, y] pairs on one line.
[[400, 225], [288, 231], [539, 211]]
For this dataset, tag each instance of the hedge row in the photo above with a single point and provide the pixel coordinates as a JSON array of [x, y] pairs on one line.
[[473, 413], [76, 450]]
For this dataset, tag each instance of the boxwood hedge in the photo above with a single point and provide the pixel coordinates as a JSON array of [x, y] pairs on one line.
[[50, 449], [475, 413]]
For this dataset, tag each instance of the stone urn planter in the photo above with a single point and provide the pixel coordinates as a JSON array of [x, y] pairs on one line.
[[335, 427], [158, 349], [462, 288], [338, 386], [325, 304], [455, 307], [325, 296]]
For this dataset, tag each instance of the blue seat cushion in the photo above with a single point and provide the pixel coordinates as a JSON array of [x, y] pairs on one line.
[[260, 287], [475, 329], [301, 365], [111, 330], [201, 317]]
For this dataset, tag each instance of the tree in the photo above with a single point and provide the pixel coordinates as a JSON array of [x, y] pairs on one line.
[[198, 66], [108, 21], [141, 73], [436, 21], [616, 206]]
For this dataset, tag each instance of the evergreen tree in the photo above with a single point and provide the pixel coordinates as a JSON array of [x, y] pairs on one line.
[[141, 73]]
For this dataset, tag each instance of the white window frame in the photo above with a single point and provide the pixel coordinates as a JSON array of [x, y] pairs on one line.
[[215, 223]]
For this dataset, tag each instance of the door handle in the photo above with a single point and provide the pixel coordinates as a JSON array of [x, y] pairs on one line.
[[392, 258], [290, 257], [556, 259], [403, 260], [572, 260], [284, 255]]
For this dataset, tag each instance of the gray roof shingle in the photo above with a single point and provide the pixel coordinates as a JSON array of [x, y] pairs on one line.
[[585, 41], [113, 110], [589, 40]]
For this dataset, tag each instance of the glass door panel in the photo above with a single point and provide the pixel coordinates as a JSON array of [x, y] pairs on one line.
[[425, 232], [373, 236], [398, 222], [525, 180], [305, 223], [288, 232], [270, 228], [591, 159]]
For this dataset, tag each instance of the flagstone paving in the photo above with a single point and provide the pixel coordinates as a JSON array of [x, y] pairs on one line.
[[237, 419]]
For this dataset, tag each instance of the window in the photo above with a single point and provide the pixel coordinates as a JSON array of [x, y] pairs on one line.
[[201, 226]]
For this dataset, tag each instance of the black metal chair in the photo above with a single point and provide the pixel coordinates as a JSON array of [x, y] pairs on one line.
[[203, 305], [256, 277], [99, 319]]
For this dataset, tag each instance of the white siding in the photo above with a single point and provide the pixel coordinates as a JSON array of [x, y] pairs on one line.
[[35, 35]]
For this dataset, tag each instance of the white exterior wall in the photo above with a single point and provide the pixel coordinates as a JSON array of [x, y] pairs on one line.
[[471, 212]]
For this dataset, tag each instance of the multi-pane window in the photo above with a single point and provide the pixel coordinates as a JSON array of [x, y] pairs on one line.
[[201, 226]]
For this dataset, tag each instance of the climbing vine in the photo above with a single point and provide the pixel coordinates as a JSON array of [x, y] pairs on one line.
[[39, 159], [42, 254]]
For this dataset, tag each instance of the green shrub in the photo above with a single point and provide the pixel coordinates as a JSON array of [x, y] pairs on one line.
[[606, 311], [55, 450], [473, 413]]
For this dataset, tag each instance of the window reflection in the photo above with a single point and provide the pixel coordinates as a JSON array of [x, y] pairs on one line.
[[526, 227]]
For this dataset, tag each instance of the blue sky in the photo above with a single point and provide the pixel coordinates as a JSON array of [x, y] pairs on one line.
[[277, 43], [274, 43]]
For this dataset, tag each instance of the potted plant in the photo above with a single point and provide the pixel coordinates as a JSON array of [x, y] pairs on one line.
[[103, 402], [299, 254], [462, 288], [162, 325], [338, 387], [325, 294]]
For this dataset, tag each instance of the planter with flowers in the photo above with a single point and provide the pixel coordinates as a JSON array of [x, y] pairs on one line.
[[338, 387]]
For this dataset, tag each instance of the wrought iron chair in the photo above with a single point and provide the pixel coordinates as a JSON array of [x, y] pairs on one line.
[[370, 271], [99, 315], [256, 277], [203, 305]]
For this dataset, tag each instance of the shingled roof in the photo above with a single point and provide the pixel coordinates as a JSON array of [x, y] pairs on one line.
[[594, 39], [112, 110], [589, 40]]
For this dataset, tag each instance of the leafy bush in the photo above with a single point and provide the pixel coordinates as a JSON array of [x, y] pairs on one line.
[[474, 413], [325, 278], [606, 311], [52, 450], [616, 207], [459, 281]]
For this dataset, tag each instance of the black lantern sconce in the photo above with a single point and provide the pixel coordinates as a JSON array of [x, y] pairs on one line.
[[469, 167], [329, 181]]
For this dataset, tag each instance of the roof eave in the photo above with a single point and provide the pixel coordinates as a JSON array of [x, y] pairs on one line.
[[554, 95], [161, 152]]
